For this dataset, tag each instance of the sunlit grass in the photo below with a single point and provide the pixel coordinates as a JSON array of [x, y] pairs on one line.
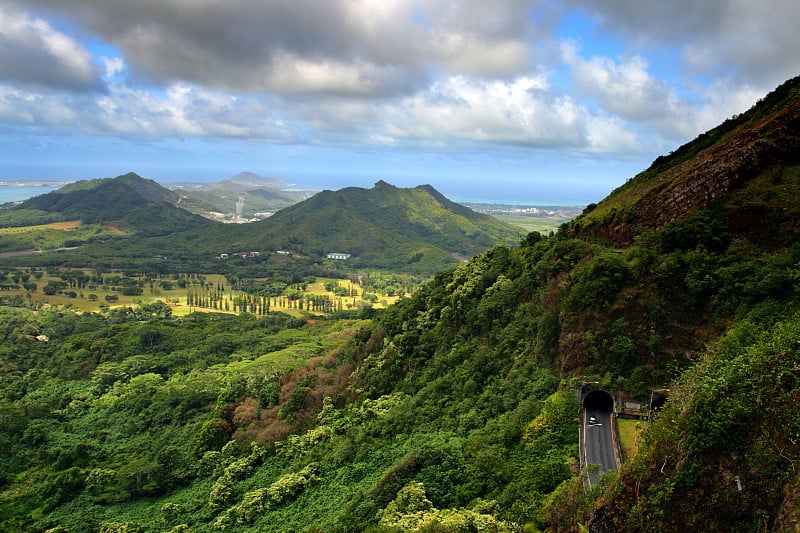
[[630, 433], [71, 224], [94, 299]]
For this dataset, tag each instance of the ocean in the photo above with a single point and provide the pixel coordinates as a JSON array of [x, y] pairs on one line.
[[18, 191]]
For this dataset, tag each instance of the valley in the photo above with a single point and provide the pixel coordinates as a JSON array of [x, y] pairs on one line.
[[84, 291], [391, 361]]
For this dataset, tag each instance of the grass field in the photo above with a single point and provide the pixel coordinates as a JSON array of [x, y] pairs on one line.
[[53, 235], [630, 432], [92, 299], [72, 224], [542, 225]]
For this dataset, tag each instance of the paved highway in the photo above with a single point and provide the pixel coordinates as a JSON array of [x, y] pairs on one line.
[[598, 441]]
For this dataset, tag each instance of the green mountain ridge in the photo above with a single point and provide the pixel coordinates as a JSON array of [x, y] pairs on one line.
[[731, 164], [416, 230], [136, 204], [385, 226]]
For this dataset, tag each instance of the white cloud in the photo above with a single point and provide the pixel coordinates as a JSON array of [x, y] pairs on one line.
[[752, 43], [721, 100], [400, 73], [521, 112], [624, 88], [113, 66], [180, 110], [32, 52], [627, 91], [25, 108], [610, 136]]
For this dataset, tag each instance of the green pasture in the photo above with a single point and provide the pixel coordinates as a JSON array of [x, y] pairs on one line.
[[53, 235], [94, 298], [630, 434]]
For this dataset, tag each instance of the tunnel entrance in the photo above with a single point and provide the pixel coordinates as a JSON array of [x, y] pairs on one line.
[[658, 400], [599, 400]]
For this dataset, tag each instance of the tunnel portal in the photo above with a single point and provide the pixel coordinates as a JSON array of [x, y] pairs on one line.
[[600, 400]]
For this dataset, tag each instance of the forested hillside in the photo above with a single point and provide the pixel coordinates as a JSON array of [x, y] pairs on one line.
[[454, 409], [410, 229], [133, 203], [135, 223]]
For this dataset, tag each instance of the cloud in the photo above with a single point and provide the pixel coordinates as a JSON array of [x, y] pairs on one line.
[[750, 42], [432, 75], [522, 112], [180, 110], [624, 88], [627, 90], [33, 53], [358, 47], [113, 66], [23, 108]]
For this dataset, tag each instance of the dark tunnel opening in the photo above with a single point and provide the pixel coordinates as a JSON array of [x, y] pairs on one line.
[[658, 401], [599, 400]]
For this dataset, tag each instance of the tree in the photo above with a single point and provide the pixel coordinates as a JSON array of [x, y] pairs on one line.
[[50, 289], [212, 435]]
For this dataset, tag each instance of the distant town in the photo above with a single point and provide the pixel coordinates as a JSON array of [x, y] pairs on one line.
[[560, 211]]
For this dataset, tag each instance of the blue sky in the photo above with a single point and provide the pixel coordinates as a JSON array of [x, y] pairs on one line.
[[512, 100]]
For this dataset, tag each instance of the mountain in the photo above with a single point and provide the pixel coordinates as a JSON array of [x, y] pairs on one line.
[[385, 226], [717, 224], [242, 198], [129, 201], [741, 165], [249, 179], [416, 230]]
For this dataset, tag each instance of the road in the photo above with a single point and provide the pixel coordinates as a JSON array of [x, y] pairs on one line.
[[598, 440], [21, 253]]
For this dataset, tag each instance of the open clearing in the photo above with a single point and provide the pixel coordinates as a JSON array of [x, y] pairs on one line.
[[93, 298], [71, 224]]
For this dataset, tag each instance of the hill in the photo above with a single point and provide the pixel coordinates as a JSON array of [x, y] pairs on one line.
[[683, 279], [242, 198], [413, 230], [385, 227], [131, 203], [747, 166]]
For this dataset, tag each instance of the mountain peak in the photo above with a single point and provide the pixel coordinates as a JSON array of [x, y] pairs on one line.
[[250, 179], [141, 202], [386, 226]]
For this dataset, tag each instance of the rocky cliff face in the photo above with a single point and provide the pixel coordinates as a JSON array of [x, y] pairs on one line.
[[724, 168], [758, 143]]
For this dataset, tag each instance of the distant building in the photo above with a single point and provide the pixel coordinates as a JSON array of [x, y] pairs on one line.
[[338, 257], [243, 255], [283, 252], [632, 406]]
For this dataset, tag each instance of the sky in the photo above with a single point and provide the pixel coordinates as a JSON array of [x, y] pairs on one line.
[[537, 102]]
